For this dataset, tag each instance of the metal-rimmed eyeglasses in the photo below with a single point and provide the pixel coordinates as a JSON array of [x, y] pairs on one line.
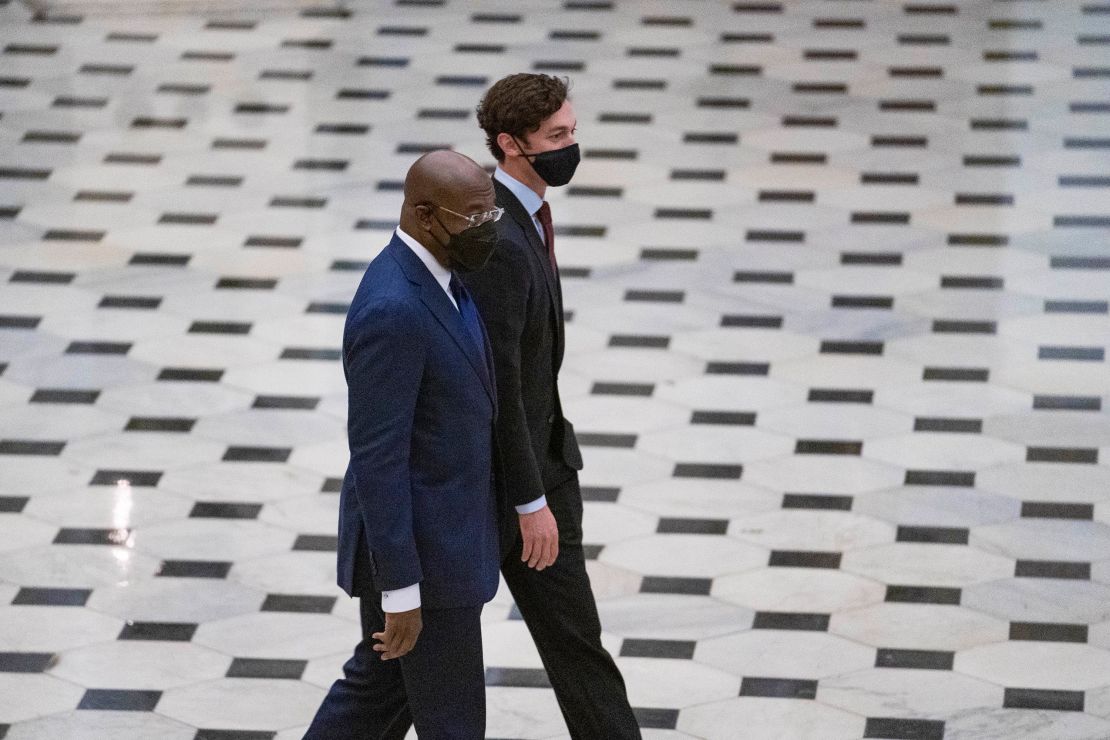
[[474, 219]]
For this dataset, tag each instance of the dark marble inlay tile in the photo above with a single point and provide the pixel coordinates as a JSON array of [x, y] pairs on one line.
[[1080, 354], [1072, 570], [673, 649], [778, 688], [134, 478], [311, 353], [933, 535], [594, 439], [622, 389], [840, 395], [257, 454], [222, 510], [640, 341], [1057, 510], [1062, 701], [159, 631], [897, 728], [13, 504], [1082, 455], [31, 596], [957, 374], [978, 240], [737, 368], [332, 485], [943, 424], [1048, 632], [42, 277], [964, 327], [708, 470], [528, 678], [120, 700], [64, 395], [142, 303], [655, 296], [607, 494], [654, 718], [775, 235], [818, 501], [669, 525], [220, 327], [159, 260], [804, 559], [922, 595], [663, 254], [886, 259], [276, 242], [194, 569], [316, 543], [266, 668], [98, 348], [829, 347], [159, 424], [863, 301], [940, 478], [25, 662], [298, 603], [1077, 307], [31, 447], [808, 622], [190, 375], [748, 276], [676, 585], [827, 447], [738, 418], [935, 660], [743, 321], [299, 403], [1067, 403], [81, 536]]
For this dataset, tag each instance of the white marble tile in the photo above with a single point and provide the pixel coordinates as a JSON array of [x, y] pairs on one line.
[[999, 724], [918, 626], [798, 590], [799, 529], [1043, 665], [910, 563], [770, 719], [277, 635], [822, 473], [672, 617], [24, 697], [92, 725], [176, 600], [259, 703], [139, 664], [687, 555], [886, 692], [649, 682]]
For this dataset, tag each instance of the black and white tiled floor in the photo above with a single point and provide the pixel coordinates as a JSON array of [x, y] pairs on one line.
[[837, 278]]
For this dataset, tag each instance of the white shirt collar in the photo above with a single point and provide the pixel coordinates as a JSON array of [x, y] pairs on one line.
[[526, 195], [439, 272]]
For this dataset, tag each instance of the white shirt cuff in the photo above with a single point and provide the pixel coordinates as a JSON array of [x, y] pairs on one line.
[[401, 599], [532, 506]]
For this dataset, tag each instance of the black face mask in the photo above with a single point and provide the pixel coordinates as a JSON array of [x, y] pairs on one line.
[[557, 166], [469, 250]]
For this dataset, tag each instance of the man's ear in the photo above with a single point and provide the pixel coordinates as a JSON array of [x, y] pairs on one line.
[[508, 144], [423, 216]]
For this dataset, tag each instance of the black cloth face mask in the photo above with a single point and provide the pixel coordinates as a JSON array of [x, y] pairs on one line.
[[469, 250], [555, 167]]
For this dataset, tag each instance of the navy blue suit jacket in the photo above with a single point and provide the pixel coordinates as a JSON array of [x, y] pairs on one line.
[[417, 503]]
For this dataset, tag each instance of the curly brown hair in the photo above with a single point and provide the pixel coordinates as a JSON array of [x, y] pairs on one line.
[[518, 104]]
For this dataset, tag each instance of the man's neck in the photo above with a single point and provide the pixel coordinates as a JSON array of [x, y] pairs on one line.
[[521, 170]]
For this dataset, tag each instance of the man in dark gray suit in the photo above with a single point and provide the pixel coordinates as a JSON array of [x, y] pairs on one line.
[[529, 126]]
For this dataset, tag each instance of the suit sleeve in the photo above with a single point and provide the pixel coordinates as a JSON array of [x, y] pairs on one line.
[[502, 290], [384, 362]]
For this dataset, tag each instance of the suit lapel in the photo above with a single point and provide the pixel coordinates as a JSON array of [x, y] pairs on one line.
[[509, 202], [433, 297]]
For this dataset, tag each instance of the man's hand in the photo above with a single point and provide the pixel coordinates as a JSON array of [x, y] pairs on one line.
[[541, 538], [401, 631]]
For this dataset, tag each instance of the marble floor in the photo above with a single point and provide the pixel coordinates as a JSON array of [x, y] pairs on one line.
[[836, 276]]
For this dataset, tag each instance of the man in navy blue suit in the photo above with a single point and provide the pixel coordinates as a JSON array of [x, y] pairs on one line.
[[418, 539]]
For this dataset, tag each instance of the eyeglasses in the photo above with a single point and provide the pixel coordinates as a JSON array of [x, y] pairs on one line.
[[475, 219]]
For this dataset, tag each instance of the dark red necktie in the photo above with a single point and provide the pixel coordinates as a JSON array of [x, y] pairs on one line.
[[544, 216]]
